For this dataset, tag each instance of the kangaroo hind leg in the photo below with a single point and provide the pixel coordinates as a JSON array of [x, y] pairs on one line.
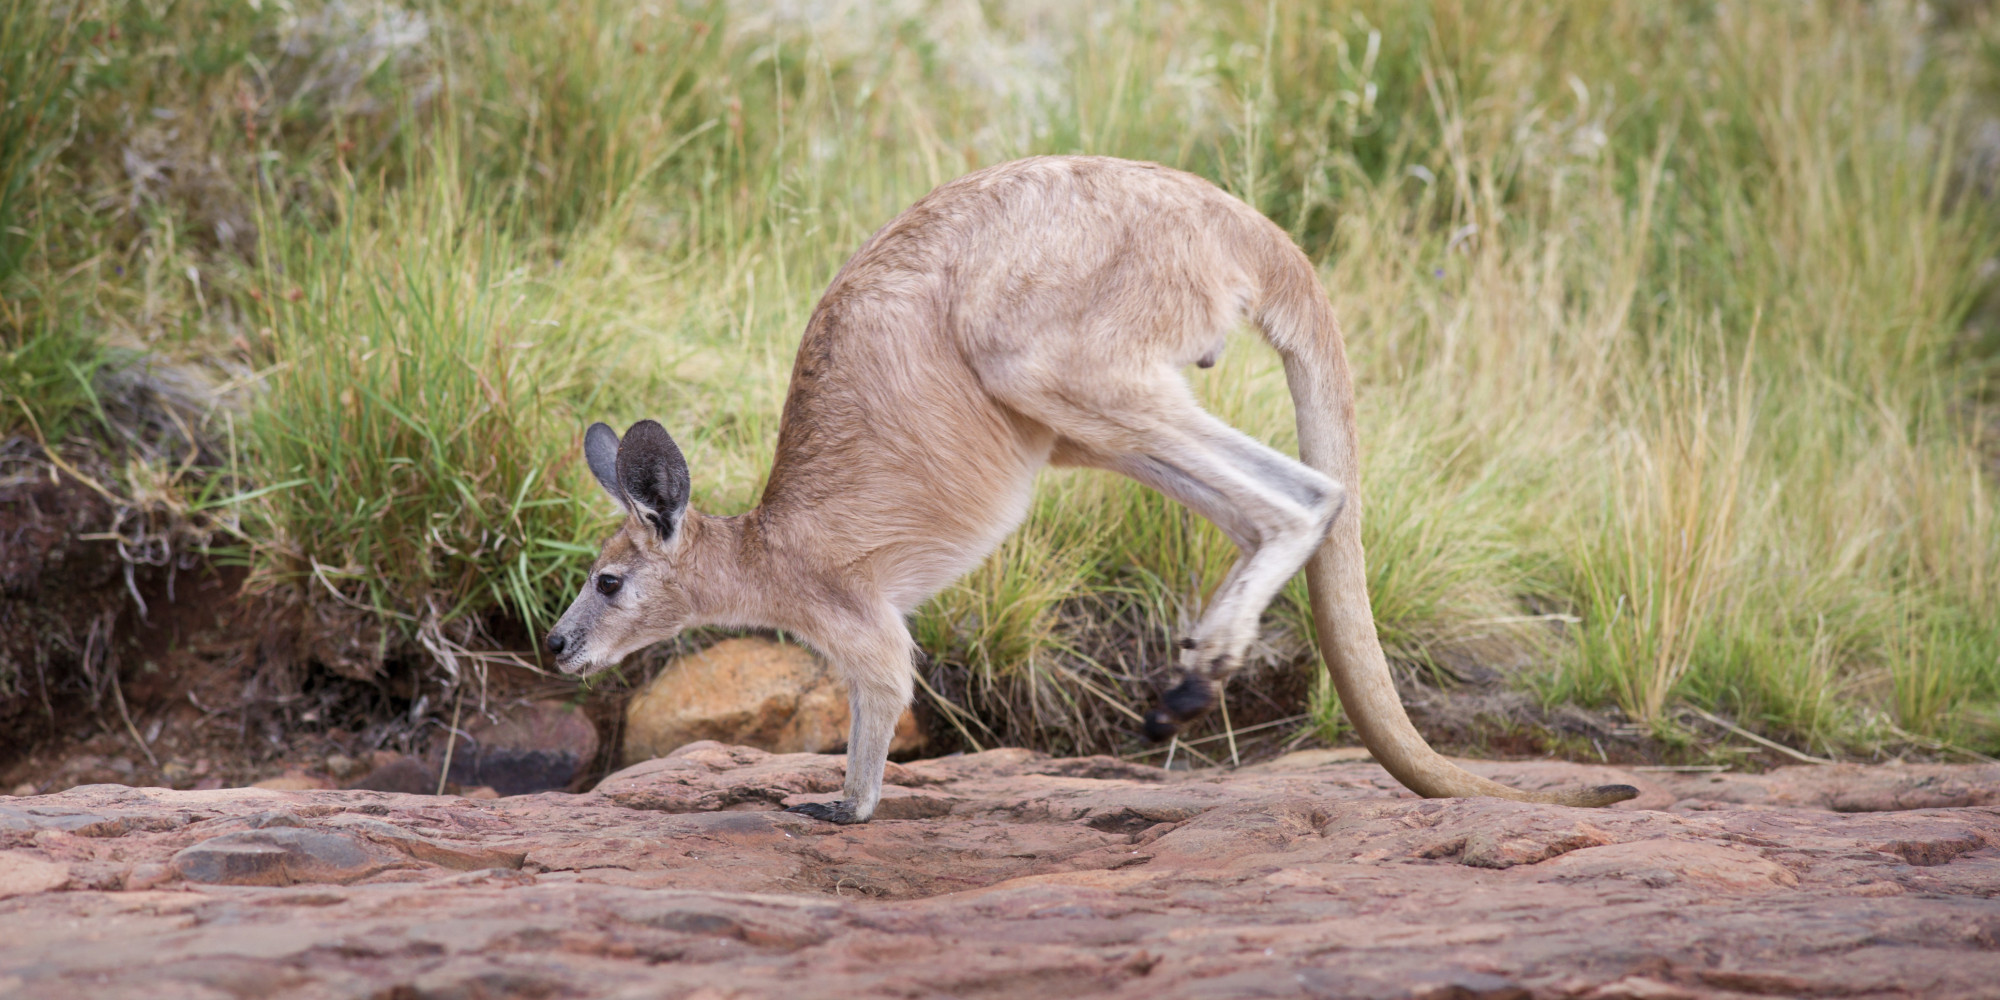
[[1276, 510]]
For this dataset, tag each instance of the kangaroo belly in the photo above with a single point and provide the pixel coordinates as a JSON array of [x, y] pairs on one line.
[[892, 455]]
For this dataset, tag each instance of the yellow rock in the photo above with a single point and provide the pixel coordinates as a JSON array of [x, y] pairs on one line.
[[753, 692]]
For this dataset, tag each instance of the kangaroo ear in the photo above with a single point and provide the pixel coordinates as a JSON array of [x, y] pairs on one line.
[[600, 449], [654, 477]]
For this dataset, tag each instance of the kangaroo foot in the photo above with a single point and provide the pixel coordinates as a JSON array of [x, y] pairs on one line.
[[1194, 695], [831, 812]]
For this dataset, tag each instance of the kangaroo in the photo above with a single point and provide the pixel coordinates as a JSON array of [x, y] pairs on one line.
[[1031, 313]]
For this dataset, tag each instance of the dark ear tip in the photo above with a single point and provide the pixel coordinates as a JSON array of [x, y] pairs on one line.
[[654, 476]]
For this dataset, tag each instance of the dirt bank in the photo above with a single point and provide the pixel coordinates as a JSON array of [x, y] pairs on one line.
[[1010, 874]]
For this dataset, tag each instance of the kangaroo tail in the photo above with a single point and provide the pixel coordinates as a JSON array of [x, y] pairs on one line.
[[1298, 321]]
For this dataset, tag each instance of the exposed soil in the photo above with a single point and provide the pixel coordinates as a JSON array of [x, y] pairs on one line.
[[123, 672], [1011, 874], [168, 673]]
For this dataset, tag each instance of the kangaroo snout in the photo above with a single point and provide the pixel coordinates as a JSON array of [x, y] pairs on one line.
[[566, 650]]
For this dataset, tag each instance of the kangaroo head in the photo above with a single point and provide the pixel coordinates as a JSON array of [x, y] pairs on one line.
[[636, 594]]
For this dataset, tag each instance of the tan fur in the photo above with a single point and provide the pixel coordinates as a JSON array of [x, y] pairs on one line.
[[1038, 311]]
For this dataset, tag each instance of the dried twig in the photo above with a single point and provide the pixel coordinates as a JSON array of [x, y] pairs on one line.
[[1932, 743], [952, 712], [1222, 699], [57, 461], [118, 696], [1286, 721], [451, 739], [1206, 759], [117, 692], [1759, 740]]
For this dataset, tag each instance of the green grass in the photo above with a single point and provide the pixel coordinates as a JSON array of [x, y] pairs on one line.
[[45, 380], [1671, 320], [36, 68], [413, 436], [46, 361]]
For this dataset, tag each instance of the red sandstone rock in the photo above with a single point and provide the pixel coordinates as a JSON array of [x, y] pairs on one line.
[[1024, 876], [281, 856], [23, 874]]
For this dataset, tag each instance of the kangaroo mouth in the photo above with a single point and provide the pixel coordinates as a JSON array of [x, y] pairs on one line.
[[568, 654], [581, 663], [573, 652]]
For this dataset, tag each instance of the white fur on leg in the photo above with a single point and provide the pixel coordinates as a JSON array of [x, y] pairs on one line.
[[880, 680], [875, 712]]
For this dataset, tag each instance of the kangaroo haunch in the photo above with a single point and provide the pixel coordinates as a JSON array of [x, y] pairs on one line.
[[1035, 312]]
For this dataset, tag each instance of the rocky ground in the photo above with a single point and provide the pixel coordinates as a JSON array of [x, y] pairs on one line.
[[1010, 874]]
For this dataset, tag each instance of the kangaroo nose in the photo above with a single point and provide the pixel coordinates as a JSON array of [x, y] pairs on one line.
[[556, 643]]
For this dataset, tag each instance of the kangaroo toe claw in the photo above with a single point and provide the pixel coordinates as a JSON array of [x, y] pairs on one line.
[[830, 812]]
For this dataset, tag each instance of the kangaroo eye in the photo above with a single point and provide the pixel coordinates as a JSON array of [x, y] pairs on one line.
[[608, 583]]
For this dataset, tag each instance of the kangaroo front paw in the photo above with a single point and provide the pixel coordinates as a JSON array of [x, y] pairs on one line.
[[1191, 697], [1194, 695], [1161, 725], [832, 812]]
